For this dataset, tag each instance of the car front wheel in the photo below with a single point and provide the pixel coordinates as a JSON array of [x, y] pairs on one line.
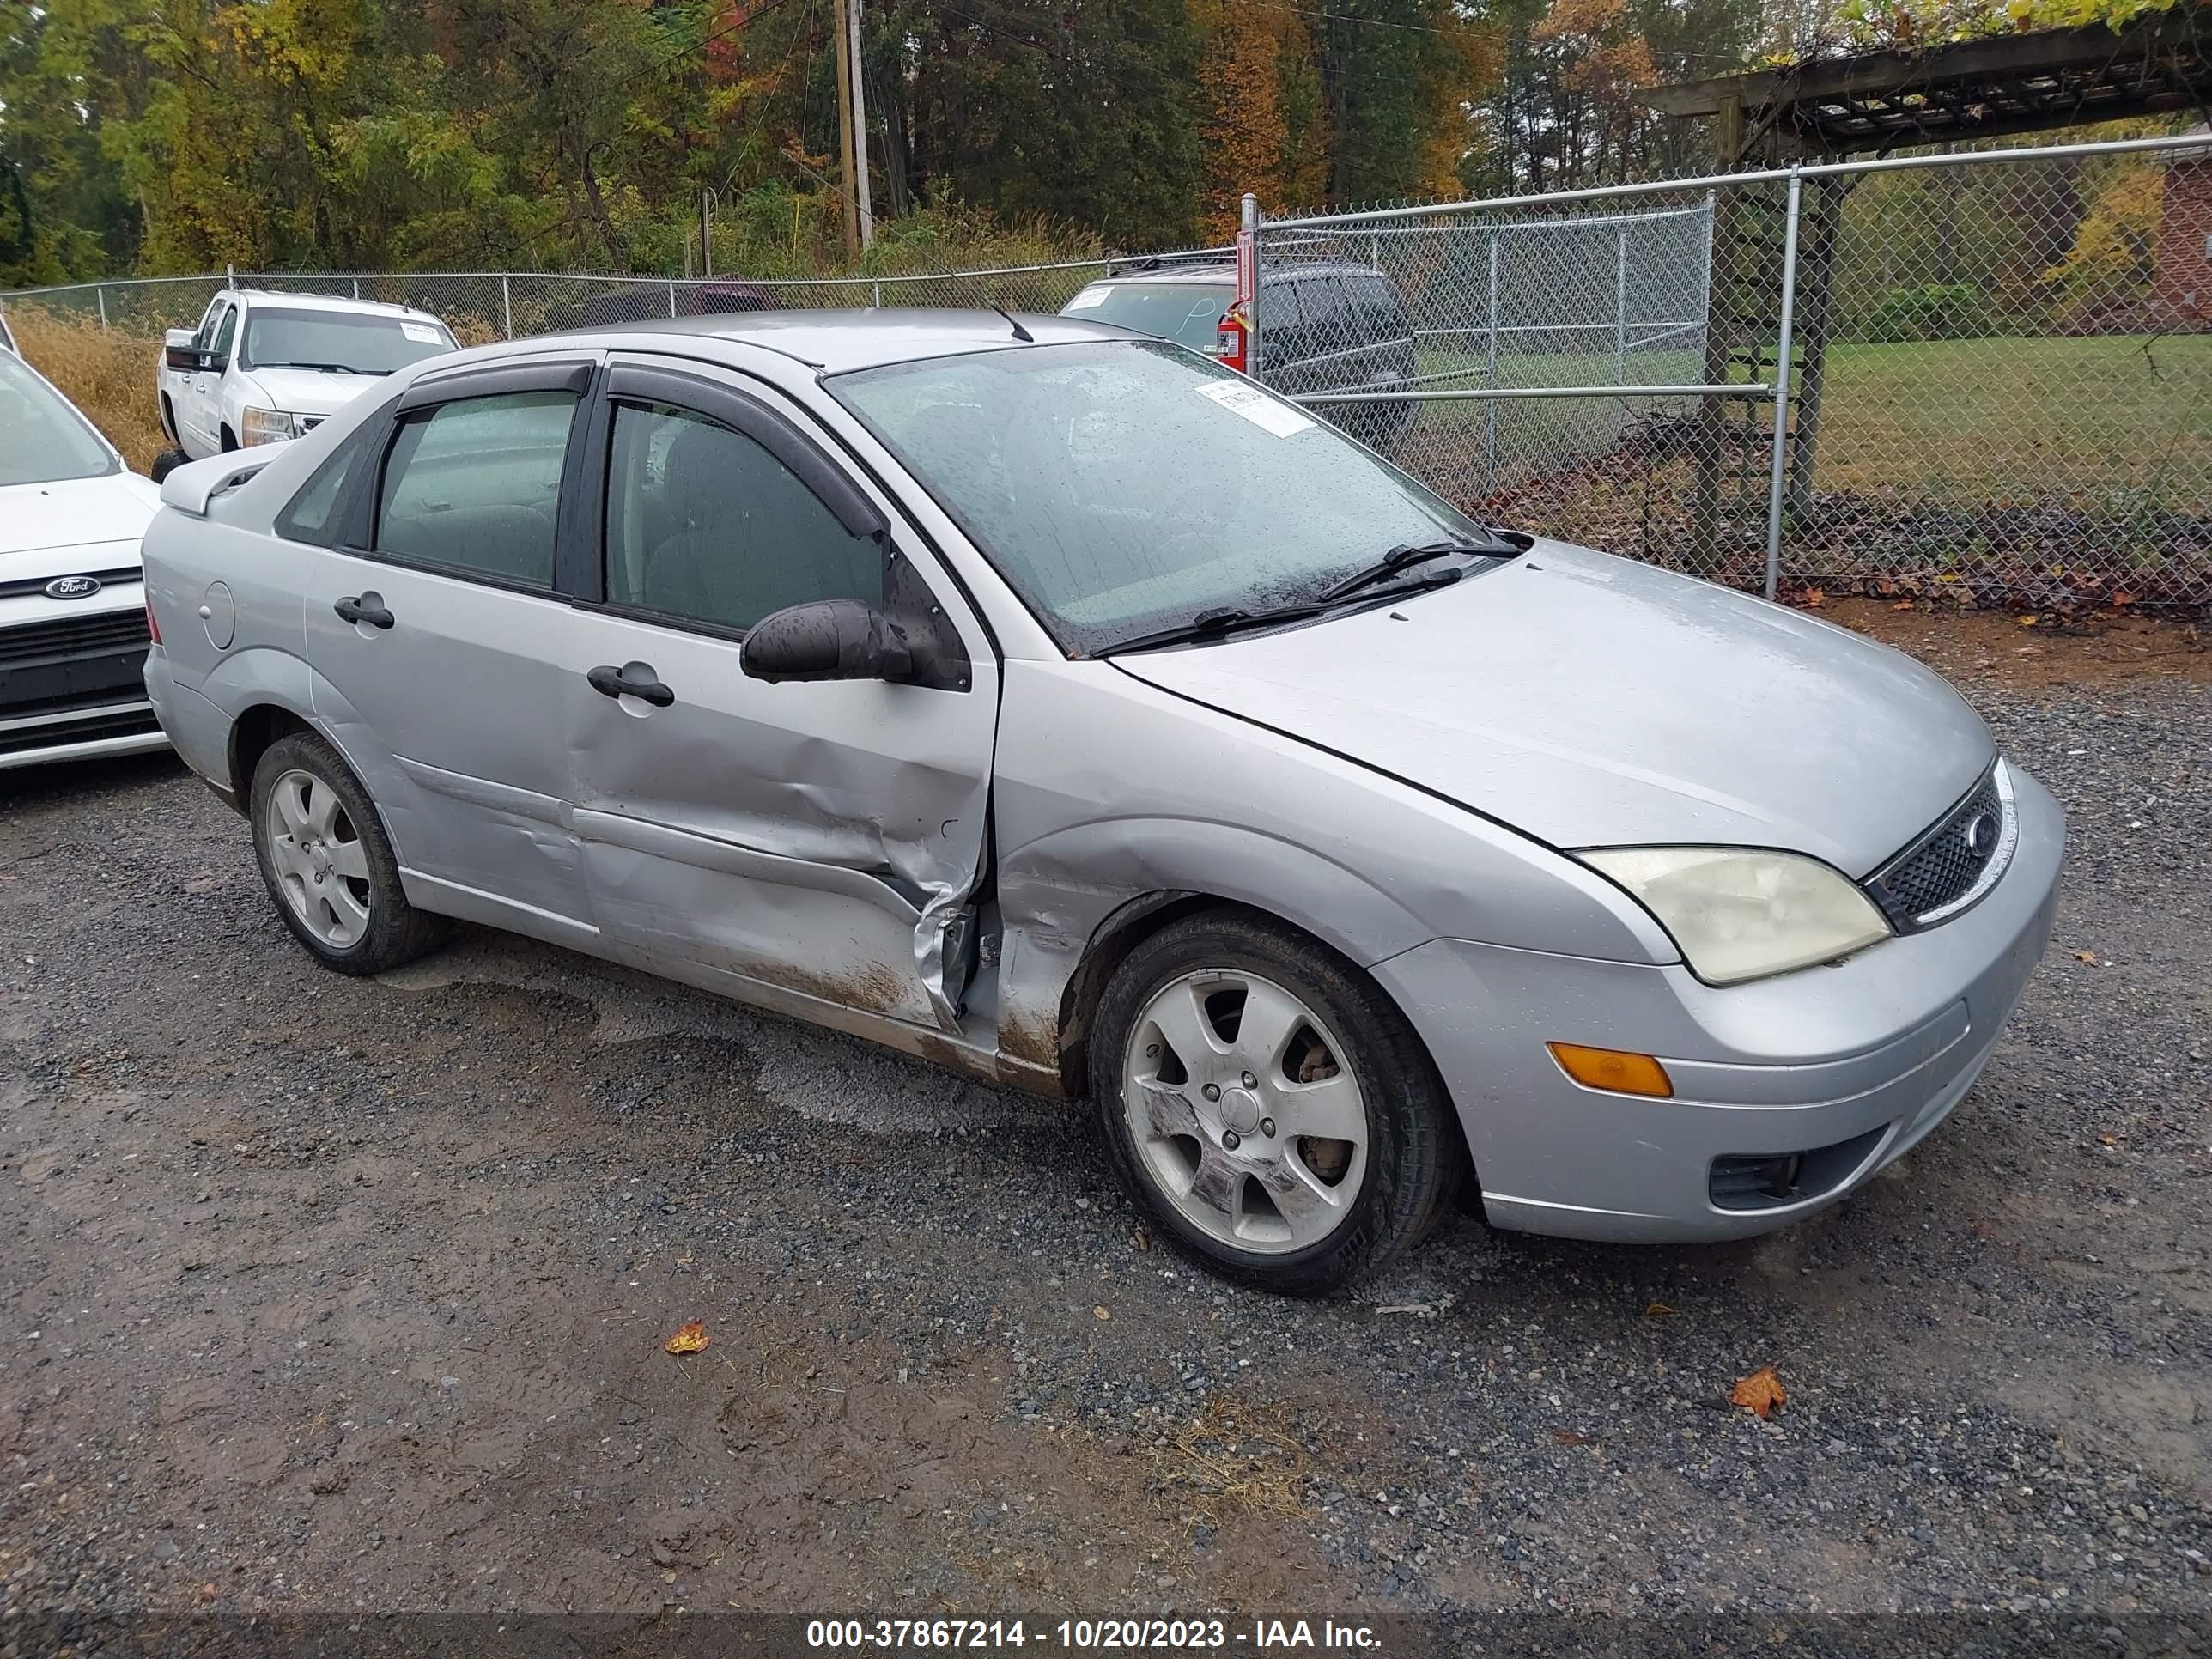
[[1269, 1106], [328, 863]]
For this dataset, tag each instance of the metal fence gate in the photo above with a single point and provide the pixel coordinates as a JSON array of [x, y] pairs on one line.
[[1995, 368]]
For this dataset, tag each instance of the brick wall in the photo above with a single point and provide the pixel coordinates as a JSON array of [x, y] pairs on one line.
[[2181, 288]]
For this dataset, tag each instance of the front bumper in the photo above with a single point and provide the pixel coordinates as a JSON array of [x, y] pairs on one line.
[[1855, 1062], [70, 684]]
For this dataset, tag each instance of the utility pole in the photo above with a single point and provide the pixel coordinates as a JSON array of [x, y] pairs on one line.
[[847, 25], [859, 124]]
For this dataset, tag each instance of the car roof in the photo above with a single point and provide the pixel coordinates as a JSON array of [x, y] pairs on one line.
[[326, 302], [836, 342]]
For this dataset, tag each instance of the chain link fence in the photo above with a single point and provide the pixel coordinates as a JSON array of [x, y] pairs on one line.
[[481, 306], [1997, 368]]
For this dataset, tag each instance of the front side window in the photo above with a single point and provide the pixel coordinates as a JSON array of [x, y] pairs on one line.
[[1122, 487], [705, 525], [42, 439], [225, 332], [473, 486], [339, 341]]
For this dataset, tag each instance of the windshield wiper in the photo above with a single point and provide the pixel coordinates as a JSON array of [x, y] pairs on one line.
[[1213, 625], [332, 369], [1405, 554], [1218, 625]]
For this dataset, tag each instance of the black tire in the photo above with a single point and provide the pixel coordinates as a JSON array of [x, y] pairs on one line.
[[396, 932], [166, 463], [1416, 1156], [229, 441]]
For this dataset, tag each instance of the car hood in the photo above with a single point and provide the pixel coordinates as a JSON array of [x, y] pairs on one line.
[[76, 512], [309, 391], [1591, 702]]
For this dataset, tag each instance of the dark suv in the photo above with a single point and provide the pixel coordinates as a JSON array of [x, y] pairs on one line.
[[1325, 326]]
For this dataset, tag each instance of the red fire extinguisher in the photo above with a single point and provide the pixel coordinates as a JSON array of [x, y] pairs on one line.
[[1232, 336]]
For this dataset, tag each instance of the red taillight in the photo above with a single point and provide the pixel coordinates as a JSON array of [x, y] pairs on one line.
[[1229, 341], [153, 628]]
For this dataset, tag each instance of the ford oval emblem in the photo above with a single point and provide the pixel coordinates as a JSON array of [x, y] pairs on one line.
[[1980, 834], [72, 587]]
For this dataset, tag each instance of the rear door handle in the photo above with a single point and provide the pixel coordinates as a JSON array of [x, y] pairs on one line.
[[634, 679], [364, 607]]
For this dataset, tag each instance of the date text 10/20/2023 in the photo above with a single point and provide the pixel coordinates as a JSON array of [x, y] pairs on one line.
[[1091, 1634]]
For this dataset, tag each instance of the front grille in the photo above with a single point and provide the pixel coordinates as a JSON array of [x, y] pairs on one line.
[[72, 636], [1919, 886]]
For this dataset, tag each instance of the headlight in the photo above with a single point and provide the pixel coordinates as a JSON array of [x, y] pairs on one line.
[[266, 426], [1739, 914]]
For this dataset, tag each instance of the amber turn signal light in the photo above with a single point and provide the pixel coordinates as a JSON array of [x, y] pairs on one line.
[[1614, 1070]]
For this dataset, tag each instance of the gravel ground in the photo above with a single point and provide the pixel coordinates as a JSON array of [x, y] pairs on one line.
[[326, 1295]]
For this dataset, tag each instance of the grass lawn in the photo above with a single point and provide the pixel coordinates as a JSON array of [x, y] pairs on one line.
[[2097, 420]]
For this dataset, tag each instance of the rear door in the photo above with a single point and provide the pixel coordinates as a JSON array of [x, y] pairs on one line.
[[822, 837], [434, 629]]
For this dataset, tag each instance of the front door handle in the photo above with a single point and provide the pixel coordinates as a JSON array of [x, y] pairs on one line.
[[364, 607], [635, 679]]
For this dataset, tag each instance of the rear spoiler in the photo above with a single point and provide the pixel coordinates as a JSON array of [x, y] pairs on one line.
[[193, 485]]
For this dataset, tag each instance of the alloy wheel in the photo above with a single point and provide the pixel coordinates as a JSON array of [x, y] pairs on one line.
[[320, 863], [1244, 1111]]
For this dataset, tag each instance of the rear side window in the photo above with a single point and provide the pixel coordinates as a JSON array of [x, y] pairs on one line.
[[312, 515], [473, 486], [704, 525]]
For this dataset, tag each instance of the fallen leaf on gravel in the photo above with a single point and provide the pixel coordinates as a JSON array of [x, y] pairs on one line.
[[1100, 1312], [1903, 605], [2089, 956], [692, 1339], [1568, 1437], [1660, 1310], [1760, 1393], [1443, 1305]]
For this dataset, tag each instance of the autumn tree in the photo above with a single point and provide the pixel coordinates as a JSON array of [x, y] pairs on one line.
[[1245, 136]]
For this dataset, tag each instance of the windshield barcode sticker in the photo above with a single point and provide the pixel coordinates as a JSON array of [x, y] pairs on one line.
[[1242, 397], [421, 333], [1089, 299]]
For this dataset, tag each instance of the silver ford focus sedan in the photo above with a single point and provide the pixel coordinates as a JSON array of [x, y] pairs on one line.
[[1064, 708]]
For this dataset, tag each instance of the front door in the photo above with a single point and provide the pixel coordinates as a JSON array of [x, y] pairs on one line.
[[823, 837], [198, 402], [436, 630]]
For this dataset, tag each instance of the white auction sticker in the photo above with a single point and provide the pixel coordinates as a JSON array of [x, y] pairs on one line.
[[1089, 299], [421, 333], [1242, 398]]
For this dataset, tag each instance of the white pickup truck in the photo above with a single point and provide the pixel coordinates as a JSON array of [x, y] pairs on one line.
[[262, 367]]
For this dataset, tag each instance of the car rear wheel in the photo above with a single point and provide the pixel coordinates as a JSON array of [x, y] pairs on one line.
[[328, 863], [1269, 1106]]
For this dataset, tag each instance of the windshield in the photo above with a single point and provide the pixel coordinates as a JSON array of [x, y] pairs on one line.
[[1124, 486], [363, 341], [42, 439], [1185, 313]]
